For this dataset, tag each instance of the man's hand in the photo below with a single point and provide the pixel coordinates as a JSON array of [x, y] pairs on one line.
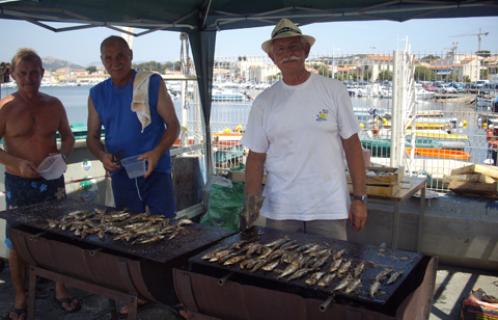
[[27, 169], [109, 163], [152, 157], [358, 214]]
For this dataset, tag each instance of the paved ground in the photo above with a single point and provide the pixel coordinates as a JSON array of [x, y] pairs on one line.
[[452, 286], [93, 307]]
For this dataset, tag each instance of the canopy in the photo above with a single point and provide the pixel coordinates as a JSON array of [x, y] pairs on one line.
[[213, 15], [202, 18]]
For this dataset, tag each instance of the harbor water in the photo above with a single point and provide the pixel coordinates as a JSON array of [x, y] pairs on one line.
[[226, 115]]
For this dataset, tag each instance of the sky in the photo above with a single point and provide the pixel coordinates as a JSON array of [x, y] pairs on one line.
[[424, 36]]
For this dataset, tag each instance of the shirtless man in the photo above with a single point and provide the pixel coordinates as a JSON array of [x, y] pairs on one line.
[[29, 121]]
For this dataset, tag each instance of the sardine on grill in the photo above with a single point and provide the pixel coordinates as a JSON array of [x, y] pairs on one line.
[[326, 280], [374, 288], [393, 277], [353, 286], [314, 278], [344, 283]]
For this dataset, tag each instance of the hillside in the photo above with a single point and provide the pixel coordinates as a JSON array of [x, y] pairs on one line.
[[50, 63]]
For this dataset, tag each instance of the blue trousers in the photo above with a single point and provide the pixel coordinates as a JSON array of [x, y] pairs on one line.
[[155, 192], [21, 191]]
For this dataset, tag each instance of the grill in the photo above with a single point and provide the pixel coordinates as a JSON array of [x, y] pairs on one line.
[[244, 287], [111, 268]]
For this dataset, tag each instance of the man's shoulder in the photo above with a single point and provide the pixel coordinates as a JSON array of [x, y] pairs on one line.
[[6, 103], [49, 101], [270, 91], [101, 86]]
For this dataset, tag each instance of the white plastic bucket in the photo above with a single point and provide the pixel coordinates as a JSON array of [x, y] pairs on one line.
[[134, 167]]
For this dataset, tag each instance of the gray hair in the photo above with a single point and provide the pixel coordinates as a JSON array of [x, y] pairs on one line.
[[25, 54], [117, 39]]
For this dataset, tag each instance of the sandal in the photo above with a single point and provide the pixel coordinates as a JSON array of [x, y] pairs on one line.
[[18, 313], [65, 304]]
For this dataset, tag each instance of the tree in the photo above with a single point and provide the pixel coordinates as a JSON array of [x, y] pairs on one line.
[[453, 76], [429, 58], [323, 70], [152, 66], [423, 73], [91, 69], [385, 75], [483, 74], [367, 74], [274, 77], [483, 53]]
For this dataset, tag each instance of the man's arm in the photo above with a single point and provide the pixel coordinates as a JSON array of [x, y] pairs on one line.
[[356, 165], [67, 138], [254, 173], [167, 112], [93, 138]]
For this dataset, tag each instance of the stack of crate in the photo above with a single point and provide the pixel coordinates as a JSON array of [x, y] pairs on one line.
[[475, 179], [381, 181]]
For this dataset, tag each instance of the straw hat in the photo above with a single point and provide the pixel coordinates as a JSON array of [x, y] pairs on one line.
[[285, 29]]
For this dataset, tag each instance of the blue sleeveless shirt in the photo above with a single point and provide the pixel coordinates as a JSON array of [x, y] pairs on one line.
[[123, 136]]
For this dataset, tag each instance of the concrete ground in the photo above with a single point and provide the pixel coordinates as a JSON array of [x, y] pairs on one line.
[[93, 307], [452, 286]]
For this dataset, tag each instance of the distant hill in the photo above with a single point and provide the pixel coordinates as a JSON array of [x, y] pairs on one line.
[[50, 63]]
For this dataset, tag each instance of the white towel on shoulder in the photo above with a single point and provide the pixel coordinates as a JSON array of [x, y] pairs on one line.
[[140, 100]]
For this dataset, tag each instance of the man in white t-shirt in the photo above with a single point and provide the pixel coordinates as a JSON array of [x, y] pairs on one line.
[[298, 131]]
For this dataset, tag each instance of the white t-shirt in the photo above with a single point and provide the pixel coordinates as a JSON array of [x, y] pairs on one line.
[[300, 129]]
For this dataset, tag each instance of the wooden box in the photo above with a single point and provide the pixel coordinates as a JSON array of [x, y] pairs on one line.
[[381, 181]]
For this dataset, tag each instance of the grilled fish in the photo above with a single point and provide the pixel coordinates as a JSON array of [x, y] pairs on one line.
[[270, 266], [326, 279], [353, 285], [358, 270], [344, 283], [394, 276], [335, 265], [374, 288], [381, 276], [234, 260], [299, 273], [314, 278]]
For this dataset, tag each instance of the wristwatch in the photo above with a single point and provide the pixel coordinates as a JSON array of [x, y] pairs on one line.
[[362, 198]]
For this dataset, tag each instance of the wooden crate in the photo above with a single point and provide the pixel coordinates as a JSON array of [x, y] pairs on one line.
[[490, 171], [469, 177], [385, 183], [379, 191], [488, 190], [384, 176]]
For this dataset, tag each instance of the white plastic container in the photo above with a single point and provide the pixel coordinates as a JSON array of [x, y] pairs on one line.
[[134, 167], [52, 167]]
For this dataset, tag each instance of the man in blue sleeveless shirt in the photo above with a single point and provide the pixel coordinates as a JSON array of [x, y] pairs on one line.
[[109, 105]]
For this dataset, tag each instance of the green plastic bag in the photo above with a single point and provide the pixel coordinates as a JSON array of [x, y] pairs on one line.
[[225, 203]]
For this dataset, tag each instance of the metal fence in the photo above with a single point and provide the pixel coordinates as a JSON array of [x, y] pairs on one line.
[[453, 97]]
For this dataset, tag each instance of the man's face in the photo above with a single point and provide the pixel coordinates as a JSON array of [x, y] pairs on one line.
[[116, 58], [289, 53], [28, 75]]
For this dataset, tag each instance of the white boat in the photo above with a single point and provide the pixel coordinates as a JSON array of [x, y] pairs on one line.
[[228, 95]]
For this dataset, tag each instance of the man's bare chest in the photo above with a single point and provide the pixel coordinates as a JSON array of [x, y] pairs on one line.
[[32, 122]]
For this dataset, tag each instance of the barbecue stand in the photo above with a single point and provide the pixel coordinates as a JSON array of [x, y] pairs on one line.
[[214, 291], [114, 269]]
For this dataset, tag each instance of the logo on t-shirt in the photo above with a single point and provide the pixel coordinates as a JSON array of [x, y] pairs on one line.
[[323, 115]]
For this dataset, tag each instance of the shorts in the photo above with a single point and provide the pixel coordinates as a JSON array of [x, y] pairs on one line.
[[21, 191], [156, 192]]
